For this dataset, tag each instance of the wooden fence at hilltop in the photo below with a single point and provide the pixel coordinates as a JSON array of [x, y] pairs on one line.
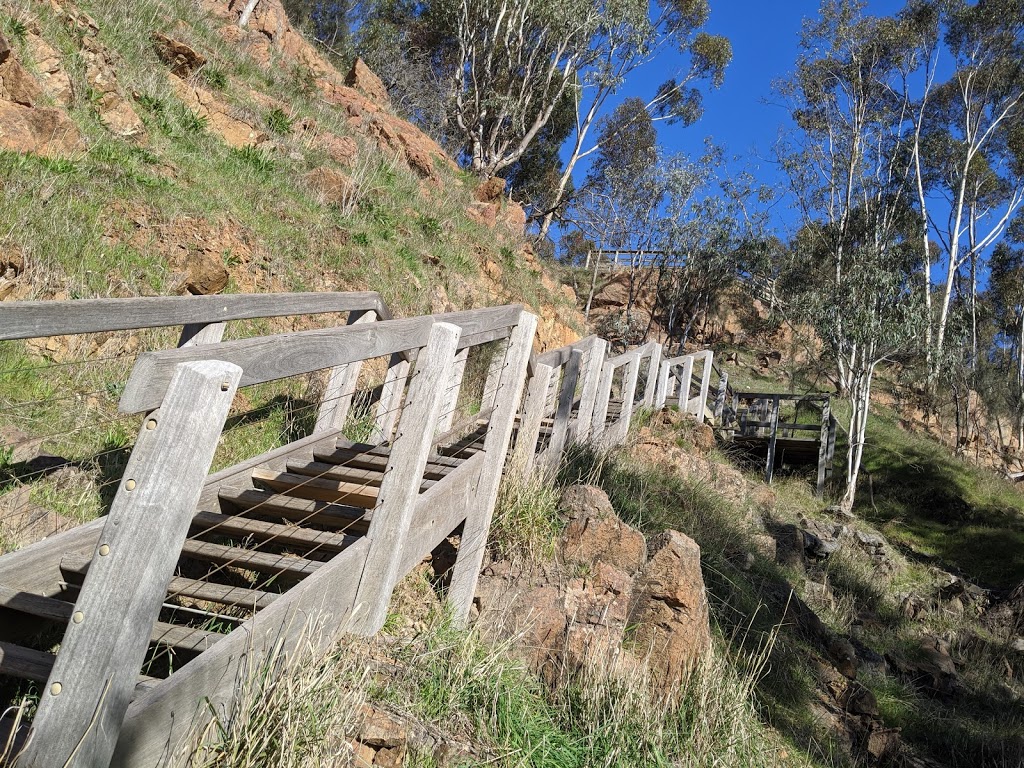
[[311, 535]]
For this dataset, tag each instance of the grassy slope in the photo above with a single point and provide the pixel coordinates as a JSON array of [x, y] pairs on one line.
[[75, 220]]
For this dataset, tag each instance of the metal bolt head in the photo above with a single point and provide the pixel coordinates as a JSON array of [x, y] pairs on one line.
[[151, 424], [104, 550], [130, 485], [78, 617], [225, 386], [55, 689]]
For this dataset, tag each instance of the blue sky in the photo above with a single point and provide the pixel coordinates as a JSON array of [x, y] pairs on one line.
[[740, 115]]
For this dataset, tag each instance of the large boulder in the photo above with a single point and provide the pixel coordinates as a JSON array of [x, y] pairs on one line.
[[596, 535], [670, 611]]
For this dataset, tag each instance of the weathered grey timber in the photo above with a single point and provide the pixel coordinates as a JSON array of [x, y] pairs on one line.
[[30, 319], [401, 483], [499, 433], [90, 686], [525, 452], [341, 385], [267, 358], [588, 396], [451, 392], [560, 428], [389, 404]]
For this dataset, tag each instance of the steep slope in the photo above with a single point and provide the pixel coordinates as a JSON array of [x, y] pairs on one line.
[[157, 147]]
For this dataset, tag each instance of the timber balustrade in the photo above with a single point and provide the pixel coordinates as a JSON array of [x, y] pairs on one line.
[[315, 533]]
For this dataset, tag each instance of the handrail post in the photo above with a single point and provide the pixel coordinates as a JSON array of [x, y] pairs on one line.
[[769, 470], [389, 403], [499, 433], [194, 334], [341, 386], [723, 388], [524, 454], [588, 397], [684, 384], [94, 675], [617, 435], [402, 478], [661, 394], [604, 393], [823, 448], [652, 375], [560, 428], [451, 394], [400, 483], [705, 384]]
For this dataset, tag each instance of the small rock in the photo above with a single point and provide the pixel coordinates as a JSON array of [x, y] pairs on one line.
[[5, 49], [333, 187], [594, 536], [183, 60], [205, 274], [364, 79], [483, 213], [11, 259], [859, 700], [818, 547], [844, 655], [490, 190]]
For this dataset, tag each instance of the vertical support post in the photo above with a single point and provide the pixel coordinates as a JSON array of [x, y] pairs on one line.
[[661, 394], [604, 393], [831, 445], [591, 383], [402, 478], [499, 432], [566, 395], [823, 448], [684, 385], [525, 452], [652, 374], [451, 393], [621, 428], [705, 385], [91, 684], [494, 375], [341, 386], [391, 396], [195, 334], [723, 389], [769, 469]]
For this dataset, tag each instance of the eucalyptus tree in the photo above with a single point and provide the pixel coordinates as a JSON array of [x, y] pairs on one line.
[[631, 34], [514, 60], [972, 139], [849, 166]]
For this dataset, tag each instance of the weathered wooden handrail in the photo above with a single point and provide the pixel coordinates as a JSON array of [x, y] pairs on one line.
[[675, 379], [33, 319], [568, 393]]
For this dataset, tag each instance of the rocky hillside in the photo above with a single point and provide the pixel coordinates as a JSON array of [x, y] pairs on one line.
[[159, 148]]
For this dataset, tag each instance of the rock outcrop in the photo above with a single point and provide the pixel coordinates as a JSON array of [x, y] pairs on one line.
[[575, 611]]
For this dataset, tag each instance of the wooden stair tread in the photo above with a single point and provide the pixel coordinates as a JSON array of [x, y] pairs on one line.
[[25, 663], [383, 450], [206, 523], [357, 460], [52, 609], [316, 488], [74, 569], [360, 477], [311, 511], [248, 559]]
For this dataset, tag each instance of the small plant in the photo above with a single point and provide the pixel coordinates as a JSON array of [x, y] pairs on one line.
[[17, 28], [361, 238], [278, 122], [431, 227], [191, 123], [256, 159], [215, 77]]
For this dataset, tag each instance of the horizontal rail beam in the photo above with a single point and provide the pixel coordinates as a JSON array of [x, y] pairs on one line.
[[31, 319], [267, 358]]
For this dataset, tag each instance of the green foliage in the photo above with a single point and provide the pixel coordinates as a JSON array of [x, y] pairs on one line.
[[215, 77], [279, 122], [257, 160]]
